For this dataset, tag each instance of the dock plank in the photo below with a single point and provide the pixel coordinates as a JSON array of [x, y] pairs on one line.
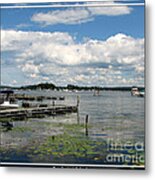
[[30, 112]]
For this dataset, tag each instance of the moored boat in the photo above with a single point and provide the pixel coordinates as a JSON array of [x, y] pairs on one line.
[[137, 92], [8, 105], [6, 102]]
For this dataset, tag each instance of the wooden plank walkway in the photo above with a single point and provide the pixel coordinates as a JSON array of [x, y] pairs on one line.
[[31, 112]]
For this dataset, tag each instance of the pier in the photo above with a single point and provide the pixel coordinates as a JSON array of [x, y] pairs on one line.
[[26, 97], [37, 111]]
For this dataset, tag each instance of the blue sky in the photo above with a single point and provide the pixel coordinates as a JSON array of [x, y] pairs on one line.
[[101, 28], [86, 45]]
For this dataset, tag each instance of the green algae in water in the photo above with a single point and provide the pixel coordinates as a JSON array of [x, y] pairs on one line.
[[72, 146], [56, 147], [21, 129]]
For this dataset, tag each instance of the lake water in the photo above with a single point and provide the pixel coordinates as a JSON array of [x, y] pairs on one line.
[[115, 126]]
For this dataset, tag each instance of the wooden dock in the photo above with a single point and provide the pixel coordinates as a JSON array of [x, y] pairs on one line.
[[26, 97], [36, 111]]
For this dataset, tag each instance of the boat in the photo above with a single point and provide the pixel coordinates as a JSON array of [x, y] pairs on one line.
[[96, 92], [7, 103], [141, 93], [61, 98], [137, 92]]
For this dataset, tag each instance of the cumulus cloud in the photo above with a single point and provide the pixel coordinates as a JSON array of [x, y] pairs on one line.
[[79, 15], [19, 40], [58, 58]]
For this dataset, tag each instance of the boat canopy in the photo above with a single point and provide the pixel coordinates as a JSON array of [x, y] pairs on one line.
[[6, 92]]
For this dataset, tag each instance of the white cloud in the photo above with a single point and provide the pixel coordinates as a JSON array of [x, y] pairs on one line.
[[14, 82], [57, 57], [140, 69], [19, 40], [30, 68], [69, 16], [23, 25], [111, 10], [79, 15]]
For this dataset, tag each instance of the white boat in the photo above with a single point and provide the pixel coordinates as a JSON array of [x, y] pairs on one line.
[[8, 105], [136, 92]]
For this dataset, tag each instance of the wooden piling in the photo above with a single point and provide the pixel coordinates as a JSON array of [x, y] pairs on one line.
[[86, 125], [78, 101]]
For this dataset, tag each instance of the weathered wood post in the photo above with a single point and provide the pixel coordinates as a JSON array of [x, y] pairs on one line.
[[78, 103], [53, 103], [86, 125]]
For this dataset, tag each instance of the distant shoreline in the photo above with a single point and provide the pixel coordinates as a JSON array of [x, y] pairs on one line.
[[50, 86]]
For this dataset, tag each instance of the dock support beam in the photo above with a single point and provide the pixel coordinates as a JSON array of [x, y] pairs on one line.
[[86, 125]]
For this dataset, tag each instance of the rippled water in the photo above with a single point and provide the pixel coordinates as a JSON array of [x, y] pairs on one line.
[[114, 115]]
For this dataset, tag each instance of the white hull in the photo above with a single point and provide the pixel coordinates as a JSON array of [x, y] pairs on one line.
[[7, 105], [136, 92]]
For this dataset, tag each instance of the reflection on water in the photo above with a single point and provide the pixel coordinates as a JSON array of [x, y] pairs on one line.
[[112, 115]]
